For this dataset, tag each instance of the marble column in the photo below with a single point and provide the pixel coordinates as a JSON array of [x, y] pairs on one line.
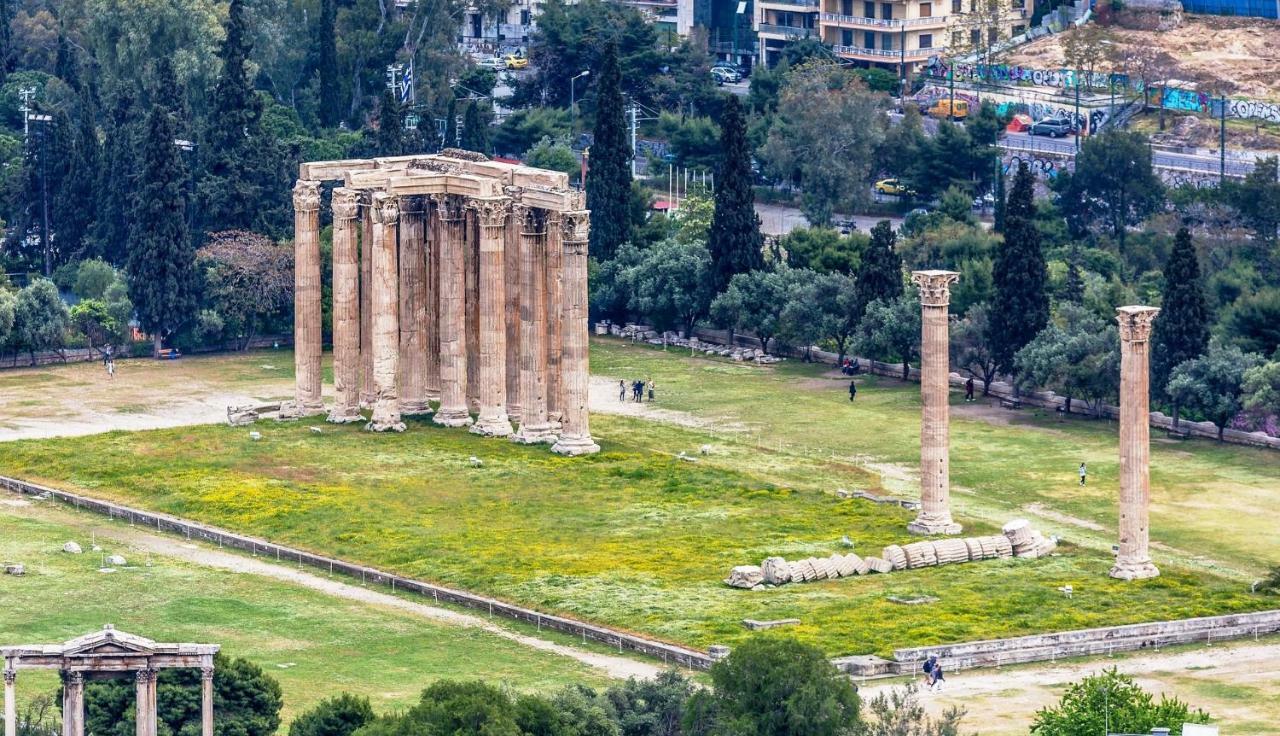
[[511, 265], [433, 300], [386, 316], [413, 308], [1133, 562], [10, 702], [555, 308], [346, 307], [145, 707], [471, 265], [453, 411], [575, 431], [206, 701], [491, 217], [366, 301], [935, 362], [534, 426], [306, 298], [72, 703]]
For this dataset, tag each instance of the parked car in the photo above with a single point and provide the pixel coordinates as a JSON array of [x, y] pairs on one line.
[[943, 109], [1052, 127], [723, 75], [516, 62], [894, 187], [493, 63]]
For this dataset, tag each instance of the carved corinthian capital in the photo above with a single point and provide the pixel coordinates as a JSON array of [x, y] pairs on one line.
[[306, 196], [10, 677], [142, 677], [386, 209], [1135, 322], [491, 211], [449, 206], [346, 204], [206, 673], [935, 286]]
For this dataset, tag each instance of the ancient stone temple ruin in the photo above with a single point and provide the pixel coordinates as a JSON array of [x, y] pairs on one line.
[[456, 280]]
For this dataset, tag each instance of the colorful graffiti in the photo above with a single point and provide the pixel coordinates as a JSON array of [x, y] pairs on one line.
[[1042, 165], [1061, 78], [1175, 98], [1249, 109]]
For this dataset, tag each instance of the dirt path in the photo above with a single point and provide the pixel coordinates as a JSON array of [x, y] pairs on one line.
[[147, 542]]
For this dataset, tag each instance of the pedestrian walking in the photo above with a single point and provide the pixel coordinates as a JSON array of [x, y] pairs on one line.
[[109, 363], [1083, 472], [622, 390], [853, 390], [928, 666], [968, 389], [650, 390], [938, 678]]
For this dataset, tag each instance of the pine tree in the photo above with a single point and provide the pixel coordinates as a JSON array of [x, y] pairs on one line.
[[1020, 306], [451, 124], [880, 270], [115, 180], [6, 38], [232, 188], [390, 137], [475, 130], [327, 64], [609, 168], [734, 239], [1182, 330], [161, 262], [997, 216]]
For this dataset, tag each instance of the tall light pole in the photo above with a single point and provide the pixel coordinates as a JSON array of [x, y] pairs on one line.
[[573, 98], [45, 122]]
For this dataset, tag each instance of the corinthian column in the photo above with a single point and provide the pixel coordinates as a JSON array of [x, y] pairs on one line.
[[10, 701], [386, 316], [555, 309], [346, 307], [206, 701], [575, 432], [413, 308], [145, 705], [366, 301], [73, 704], [306, 301], [491, 217], [534, 426], [511, 267], [935, 472], [453, 411], [471, 266], [1133, 562], [433, 300]]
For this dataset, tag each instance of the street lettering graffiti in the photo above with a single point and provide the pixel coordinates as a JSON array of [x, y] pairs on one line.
[[1248, 109], [1061, 78], [1041, 165], [1176, 98]]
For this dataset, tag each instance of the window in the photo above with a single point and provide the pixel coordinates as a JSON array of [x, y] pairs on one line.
[[926, 10], [868, 40], [846, 38], [886, 11], [926, 40], [956, 6], [886, 41], [1018, 30], [957, 38], [869, 9], [975, 37], [524, 17]]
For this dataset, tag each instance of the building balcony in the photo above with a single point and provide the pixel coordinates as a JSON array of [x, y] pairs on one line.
[[884, 55], [857, 21], [768, 29], [793, 5]]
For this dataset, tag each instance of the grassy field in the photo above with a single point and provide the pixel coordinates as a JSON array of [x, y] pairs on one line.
[[315, 644], [638, 539]]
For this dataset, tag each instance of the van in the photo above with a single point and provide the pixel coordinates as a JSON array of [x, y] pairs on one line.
[[942, 109]]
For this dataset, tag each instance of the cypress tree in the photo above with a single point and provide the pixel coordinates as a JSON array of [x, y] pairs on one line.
[[6, 38], [327, 65], [161, 262], [451, 124], [74, 203], [390, 137], [169, 94], [1020, 305], [475, 131], [1073, 290], [1182, 330], [880, 270], [115, 181], [734, 239], [609, 169], [997, 216], [232, 188]]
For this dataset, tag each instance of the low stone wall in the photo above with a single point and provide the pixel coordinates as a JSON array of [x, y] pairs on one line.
[[668, 653], [1003, 391]]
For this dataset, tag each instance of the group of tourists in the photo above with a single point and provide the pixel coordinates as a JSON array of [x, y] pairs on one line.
[[638, 389], [933, 678]]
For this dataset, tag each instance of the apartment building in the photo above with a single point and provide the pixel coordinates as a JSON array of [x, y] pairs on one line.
[[779, 22]]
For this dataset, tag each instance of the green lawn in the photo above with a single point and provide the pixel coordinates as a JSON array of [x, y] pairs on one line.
[[315, 644], [639, 539]]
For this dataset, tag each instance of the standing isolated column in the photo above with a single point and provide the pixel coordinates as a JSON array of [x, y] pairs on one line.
[[366, 300], [935, 362], [511, 266], [575, 432], [453, 411], [72, 703], [491, 217], [1133, 562], [206, 701], [145, 706], [413, 309], [306, 300], [433, 299], [534, 427], [386, 316], [10, 701], [346, 307], [555, 309]]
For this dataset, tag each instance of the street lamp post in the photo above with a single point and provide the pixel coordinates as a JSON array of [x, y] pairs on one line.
[[45, 121], [573, 98]]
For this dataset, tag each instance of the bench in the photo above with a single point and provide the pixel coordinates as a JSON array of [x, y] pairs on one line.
[[1010, 403], [168, 354]]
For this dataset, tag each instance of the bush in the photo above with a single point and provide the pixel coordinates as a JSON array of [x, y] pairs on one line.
[[337, 716]]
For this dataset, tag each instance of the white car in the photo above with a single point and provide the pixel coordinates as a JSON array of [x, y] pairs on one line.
[[493, 63]]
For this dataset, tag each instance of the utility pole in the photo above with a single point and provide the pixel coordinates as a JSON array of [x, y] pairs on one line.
[[631, 111], [43, 134], [1222, 140], [26, 93], [1077, 120]]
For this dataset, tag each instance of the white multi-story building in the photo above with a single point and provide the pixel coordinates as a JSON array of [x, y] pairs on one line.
[[672, 16]]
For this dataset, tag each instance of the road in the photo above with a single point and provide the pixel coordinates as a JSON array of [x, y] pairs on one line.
[[1160, 159], [777, 219]]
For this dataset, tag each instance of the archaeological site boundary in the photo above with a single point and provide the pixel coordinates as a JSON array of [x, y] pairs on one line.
[[991, 653]]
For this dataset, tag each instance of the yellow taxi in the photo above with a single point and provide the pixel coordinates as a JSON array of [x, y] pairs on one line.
[[517, 62], [894, 187]]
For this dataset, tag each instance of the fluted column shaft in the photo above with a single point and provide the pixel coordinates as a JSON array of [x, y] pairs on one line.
[[346, 307], [471, 264], [10, 701], [433, 300], [145, 705], [453, 411], [206, 701], [935, 471], [72, 704], [1133, 561], [575, 431], [555, 309], [491, 217], [386, 315], [366, 302], [534, 426], [511, 265], [413, 308], [306, 296]]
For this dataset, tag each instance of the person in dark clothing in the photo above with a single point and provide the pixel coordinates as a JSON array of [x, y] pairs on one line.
[[853, 390], [936, 675], [622, 390], [968, 389]]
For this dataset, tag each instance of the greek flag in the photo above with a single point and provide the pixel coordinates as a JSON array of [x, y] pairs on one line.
[[406, 84]]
